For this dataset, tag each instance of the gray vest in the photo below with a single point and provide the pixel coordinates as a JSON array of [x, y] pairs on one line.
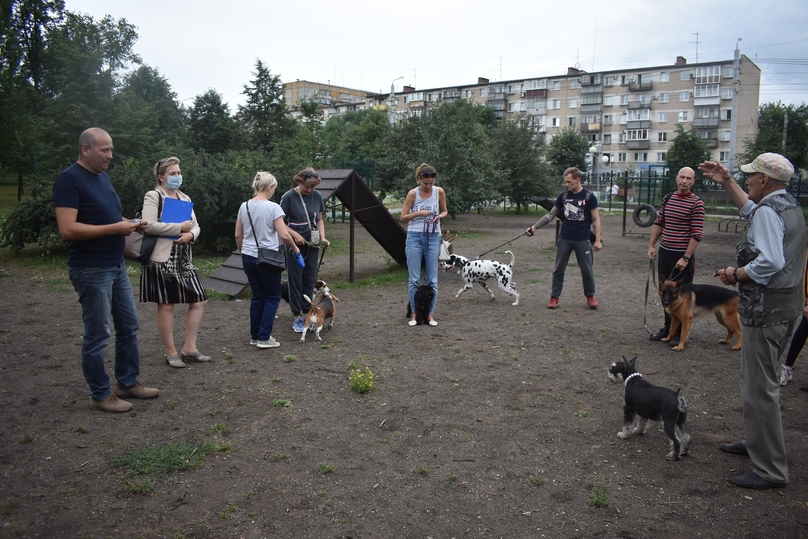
[[781, 300]]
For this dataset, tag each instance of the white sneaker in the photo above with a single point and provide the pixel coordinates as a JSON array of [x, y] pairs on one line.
[[785, 376], [253, 342], [269, 343]]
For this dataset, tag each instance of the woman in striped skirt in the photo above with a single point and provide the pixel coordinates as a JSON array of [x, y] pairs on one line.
[[170, 277]]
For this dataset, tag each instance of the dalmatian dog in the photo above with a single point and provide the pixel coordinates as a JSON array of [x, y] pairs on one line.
[[479, 271]]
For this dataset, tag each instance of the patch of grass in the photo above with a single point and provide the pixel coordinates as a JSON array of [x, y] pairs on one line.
[[172, 405], [581, 413], [289, 358], [229, 357], [450, 480], [227, 390], [25, 439], [392, 274], [600, 496], [325, 467], [361, 381], [282, 403], [30, 320], [143, 486], [232, 508], [162, 459], [81, 430], [219, 427], [10, 507], [420, 470]]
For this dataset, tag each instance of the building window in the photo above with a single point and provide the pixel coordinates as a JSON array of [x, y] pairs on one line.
[[662, 117], [727, 93], [707, 90], [556, 104], [624, 99], [607, 119], [660, 157], [621, 157], [573, 104], [723, 156], [637, 134], [483, 92], [536, 84], [469, 93], [572, 121], [662, 137], [556, 122], [683, 116], [708, 74], [574, 84], [663, 97], [706, 112], [665, 76], [513, 88], [726, 114], [622, 139], [608, 100], [623, 120], [684, 97], [685, 75], [607, 138], [725, 136], [639, 114], [556, 85], [641, 157]]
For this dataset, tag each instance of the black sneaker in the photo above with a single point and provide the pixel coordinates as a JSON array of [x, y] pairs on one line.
[[674, 341], [659, 335]]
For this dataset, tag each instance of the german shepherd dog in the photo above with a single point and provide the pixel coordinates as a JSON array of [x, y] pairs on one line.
[[684, 302]]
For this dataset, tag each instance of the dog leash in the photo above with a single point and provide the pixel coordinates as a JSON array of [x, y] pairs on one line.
[[498, 246], [651, 276]]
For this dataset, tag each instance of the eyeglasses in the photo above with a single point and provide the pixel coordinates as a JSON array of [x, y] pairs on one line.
[[429, 174], [308, 175]]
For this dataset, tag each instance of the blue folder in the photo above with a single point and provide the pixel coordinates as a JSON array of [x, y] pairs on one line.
[[176, 211]]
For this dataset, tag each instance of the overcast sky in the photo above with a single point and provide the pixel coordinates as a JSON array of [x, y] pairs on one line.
[[205, 44]]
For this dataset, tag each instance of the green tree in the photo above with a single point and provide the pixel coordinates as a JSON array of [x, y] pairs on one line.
[[211, 129], [264, 117], [569, 148], [769, 137], [686, 150], [518, 151]]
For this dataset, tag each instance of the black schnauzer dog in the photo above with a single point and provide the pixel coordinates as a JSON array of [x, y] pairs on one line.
[[653, 403], [423, 302]]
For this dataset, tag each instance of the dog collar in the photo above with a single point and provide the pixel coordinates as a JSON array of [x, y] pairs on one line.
[[630, 376]]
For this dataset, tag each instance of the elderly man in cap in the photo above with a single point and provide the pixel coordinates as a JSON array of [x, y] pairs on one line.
[[770, 255]]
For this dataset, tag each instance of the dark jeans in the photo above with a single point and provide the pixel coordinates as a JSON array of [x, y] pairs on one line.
[[301, 280], [797, 342], [105, 292], [265, 285]]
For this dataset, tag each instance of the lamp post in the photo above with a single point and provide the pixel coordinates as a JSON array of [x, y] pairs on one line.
[[392, 97], [593, 151]]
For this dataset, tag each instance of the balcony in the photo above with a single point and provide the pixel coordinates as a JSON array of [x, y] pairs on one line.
[[638, 124], [596, 89], [706, 122], [595, 107], [638, 105], [536, 93], [640, 86], [536, 111], [638, 144], [499, 96], [712, 143], [591, 127]]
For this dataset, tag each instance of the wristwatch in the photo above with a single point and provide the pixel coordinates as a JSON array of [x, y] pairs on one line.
[[686, 258]]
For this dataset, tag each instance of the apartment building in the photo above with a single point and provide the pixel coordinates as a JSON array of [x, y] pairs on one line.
[[630, 115], [334, 100]]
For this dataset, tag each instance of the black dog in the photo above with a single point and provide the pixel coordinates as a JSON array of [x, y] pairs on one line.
[[423, 302], [654, 403]]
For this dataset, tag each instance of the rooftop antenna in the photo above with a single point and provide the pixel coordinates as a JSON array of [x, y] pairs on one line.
[[577, 58], [595, 45], [697, 45], [500, 68]]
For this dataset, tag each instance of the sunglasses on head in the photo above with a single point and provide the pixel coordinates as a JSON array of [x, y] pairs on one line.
[[308, 175], [429, 174]]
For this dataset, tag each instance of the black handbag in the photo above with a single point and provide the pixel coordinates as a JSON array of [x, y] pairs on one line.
[[139, 246], [268, 258]]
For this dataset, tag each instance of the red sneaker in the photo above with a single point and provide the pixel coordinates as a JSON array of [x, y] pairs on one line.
[[590, 300], [553, 303]]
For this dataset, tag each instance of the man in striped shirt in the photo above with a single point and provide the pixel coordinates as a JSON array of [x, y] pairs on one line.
[[680, 224]]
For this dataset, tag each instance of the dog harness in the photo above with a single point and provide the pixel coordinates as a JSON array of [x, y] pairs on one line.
[[630, 376]]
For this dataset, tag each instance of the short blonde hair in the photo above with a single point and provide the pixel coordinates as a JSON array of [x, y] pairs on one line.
[[263, 181], [308, 177], [162, 165]]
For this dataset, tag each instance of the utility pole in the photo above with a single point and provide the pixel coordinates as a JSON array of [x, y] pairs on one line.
[[785, 129], [736, 83]]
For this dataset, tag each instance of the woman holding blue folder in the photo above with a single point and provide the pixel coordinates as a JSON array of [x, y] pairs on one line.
[[170, 277]]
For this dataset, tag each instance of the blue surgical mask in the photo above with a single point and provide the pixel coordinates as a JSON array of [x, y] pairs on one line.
[[174, 182]]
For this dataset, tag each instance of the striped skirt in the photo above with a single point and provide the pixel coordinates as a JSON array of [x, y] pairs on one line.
[[173, 281]]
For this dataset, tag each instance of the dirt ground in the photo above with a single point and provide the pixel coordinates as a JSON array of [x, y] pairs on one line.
[[499, 422]]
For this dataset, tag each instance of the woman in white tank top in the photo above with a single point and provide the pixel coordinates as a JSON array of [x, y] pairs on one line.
[[423, 209]]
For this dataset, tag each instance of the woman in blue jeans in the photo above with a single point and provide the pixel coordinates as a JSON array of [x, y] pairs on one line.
[[262, 226], [423, 209]]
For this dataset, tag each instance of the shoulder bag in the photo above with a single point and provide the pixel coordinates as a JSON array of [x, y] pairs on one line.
[[315, 232], [268, 258], [139, 246]]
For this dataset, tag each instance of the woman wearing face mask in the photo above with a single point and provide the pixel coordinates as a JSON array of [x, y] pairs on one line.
[[170, 277]]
